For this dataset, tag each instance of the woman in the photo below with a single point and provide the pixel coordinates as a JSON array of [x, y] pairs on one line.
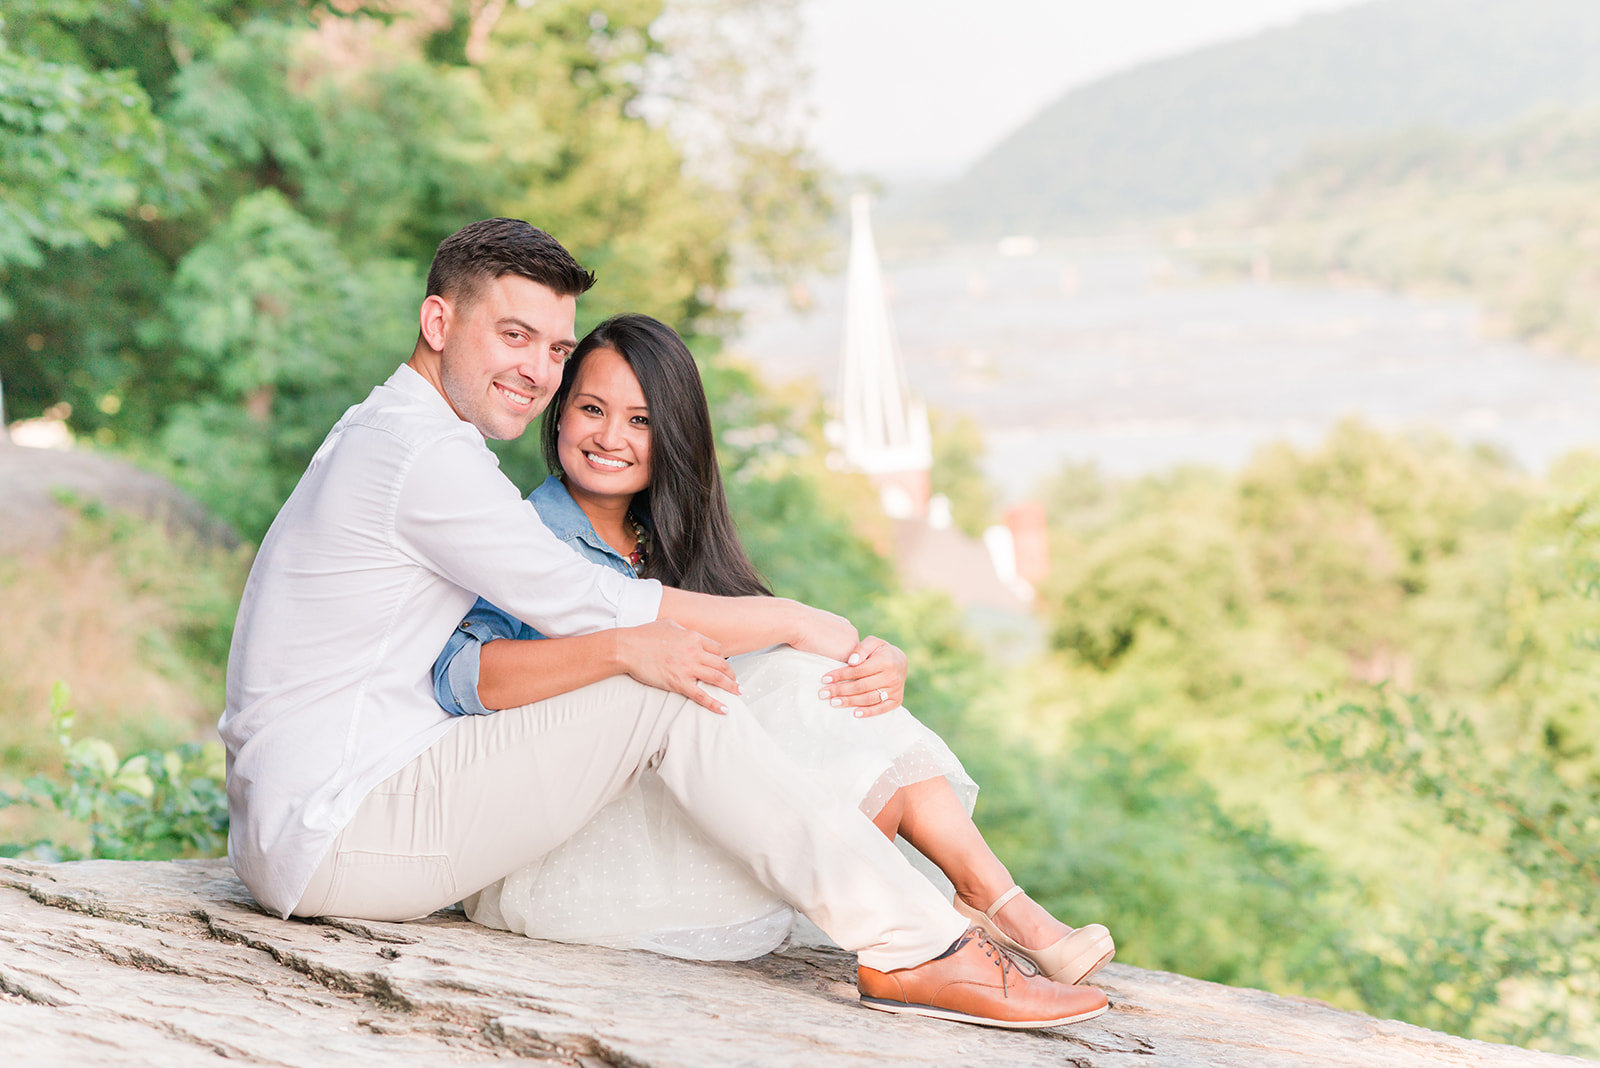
[[640, 491]]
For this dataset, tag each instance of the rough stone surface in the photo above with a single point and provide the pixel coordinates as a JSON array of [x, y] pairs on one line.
[[116, 963], [31, 481]]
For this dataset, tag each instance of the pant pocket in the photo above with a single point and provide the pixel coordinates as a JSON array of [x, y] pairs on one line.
[[389, 886]]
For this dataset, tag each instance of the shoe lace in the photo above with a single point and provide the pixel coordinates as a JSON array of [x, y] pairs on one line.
[[998, 953]]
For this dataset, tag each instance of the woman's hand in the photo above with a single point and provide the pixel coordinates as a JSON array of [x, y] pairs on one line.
[[816, 631], [670, 657], [872, 682]]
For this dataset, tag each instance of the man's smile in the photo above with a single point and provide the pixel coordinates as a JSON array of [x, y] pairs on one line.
[[513, 398]]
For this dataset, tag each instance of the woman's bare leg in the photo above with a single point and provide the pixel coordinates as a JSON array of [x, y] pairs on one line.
[[931, 817], [889, 816]]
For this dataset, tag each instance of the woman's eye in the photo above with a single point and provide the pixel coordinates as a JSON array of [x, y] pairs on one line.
[[641, 420], [590, 409]]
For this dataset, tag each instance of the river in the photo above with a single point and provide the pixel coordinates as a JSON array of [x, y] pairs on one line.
[[1112, 354]]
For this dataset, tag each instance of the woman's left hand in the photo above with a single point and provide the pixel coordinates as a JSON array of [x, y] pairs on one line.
[[872, 680]]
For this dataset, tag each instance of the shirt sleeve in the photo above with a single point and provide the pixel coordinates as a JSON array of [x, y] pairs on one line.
[[456, 671], [457, 515]]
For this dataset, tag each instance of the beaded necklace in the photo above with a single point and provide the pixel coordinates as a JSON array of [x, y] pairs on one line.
[[641, 546]]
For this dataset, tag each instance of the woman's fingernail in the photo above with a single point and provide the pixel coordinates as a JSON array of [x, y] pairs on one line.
[[824, 694], [827, 679], [860, 712], [836, 703], [855, 658]]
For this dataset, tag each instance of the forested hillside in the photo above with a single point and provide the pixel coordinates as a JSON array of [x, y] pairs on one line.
[[1510, 218], [1177, 134]]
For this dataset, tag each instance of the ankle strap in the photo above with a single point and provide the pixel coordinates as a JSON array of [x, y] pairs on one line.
[[1000, 902]]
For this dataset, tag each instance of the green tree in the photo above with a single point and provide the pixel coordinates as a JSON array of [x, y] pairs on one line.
[[276, 334], [958, 472], [1518, 959], [178, 322]]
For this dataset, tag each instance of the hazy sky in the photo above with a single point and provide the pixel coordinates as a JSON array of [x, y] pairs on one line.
[[923, 87]]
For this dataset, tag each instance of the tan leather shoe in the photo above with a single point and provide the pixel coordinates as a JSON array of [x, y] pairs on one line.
[[1072, 958], [978, 983]]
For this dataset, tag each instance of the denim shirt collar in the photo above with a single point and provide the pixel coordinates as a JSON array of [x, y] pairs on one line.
[[568, 522]]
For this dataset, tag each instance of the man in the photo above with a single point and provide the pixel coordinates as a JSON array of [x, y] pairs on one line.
[[352, 793]]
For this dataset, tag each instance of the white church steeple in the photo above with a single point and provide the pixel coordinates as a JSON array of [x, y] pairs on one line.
[[884, 428]]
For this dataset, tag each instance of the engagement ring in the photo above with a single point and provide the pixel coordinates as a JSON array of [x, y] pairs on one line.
[[883, 695]]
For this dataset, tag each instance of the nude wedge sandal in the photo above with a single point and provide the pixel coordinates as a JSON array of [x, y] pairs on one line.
[[1070, 959]]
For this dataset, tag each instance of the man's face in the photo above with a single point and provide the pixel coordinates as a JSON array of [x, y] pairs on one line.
[[503, 353]]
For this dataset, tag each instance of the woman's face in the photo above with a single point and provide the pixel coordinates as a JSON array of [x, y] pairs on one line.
[[603, 438]]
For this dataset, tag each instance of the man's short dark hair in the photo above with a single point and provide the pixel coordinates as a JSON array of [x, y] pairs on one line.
[[476, 255]]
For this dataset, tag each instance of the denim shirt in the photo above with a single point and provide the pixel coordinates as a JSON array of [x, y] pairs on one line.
[[455, 672]]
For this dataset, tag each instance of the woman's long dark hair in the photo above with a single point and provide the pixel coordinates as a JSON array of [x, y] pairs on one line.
[[694, 545]]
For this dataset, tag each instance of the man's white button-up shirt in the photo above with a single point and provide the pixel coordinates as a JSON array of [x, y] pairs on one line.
[[402, 519]]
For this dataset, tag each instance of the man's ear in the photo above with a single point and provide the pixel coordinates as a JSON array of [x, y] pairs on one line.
[[436, 315]]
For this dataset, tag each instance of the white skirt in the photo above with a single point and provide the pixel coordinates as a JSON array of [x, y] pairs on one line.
[[640, 875]]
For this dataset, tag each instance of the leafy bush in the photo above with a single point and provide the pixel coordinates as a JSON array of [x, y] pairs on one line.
[[1520, 959], [152, 805]]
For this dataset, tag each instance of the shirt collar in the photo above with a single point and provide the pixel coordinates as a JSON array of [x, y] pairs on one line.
[[565, 518], [409, 382], [559, 511]]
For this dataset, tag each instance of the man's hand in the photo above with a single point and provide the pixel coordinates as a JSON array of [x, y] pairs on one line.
[[816, 631], [872, 682], [669, 657]]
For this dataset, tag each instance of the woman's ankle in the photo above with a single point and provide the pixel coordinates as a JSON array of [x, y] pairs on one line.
[[980, 895], [1029, 923]]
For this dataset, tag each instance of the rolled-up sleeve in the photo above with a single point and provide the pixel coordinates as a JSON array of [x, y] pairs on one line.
[[457, 670]]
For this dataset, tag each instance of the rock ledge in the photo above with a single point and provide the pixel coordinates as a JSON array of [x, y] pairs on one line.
[[114, 963]]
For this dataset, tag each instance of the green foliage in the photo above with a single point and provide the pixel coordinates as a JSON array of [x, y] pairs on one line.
[[1192, 614], [805, 549], [1128, 835], [730, 99], [242, 196], [74, 148], [1553, 606], [1507, 217], [138, 620], [1105, 827], [958, 473], [1523, 950], [1173, 578], [152, 805], [277, 334]]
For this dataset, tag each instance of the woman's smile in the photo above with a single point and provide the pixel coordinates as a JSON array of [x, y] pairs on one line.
[[611, 462]]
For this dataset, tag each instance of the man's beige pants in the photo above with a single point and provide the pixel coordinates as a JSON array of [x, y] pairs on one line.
[[502, 790]]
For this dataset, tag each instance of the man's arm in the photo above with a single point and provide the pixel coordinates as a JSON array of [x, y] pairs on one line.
[[743, 624], [464, 520], [674, 653], [493, 661]]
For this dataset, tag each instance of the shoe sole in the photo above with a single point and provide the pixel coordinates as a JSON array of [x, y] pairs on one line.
[[1084, 977], [907, 1008]]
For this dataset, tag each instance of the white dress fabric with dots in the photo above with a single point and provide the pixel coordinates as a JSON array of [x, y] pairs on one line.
[[640, 875]]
